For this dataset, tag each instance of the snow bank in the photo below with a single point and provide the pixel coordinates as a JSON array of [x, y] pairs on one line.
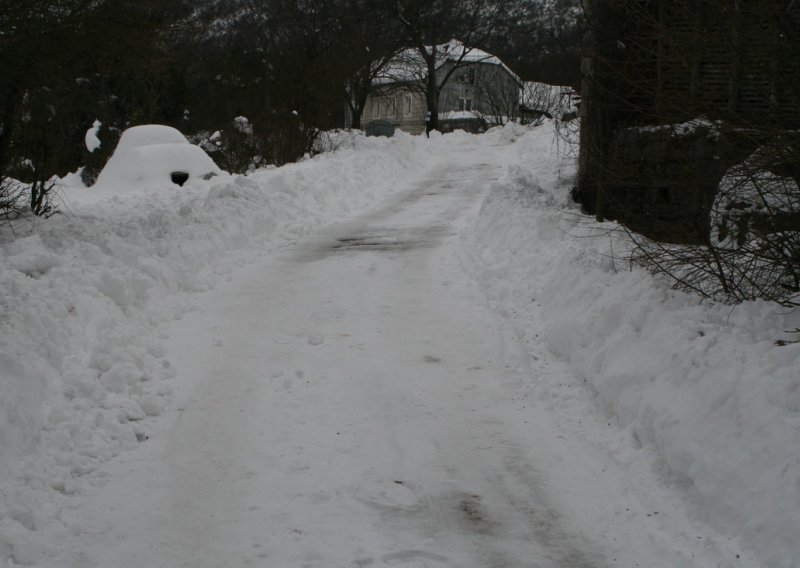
[[704, 385], [83, 295], [91, 139]]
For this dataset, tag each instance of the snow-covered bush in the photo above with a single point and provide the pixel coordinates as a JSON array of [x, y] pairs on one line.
[[245, 145], [100, 140]]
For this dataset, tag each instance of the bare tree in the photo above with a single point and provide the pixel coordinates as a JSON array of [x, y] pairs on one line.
[[360, 84], [372, 38], [428, 25], [500, 99], [541, 40]]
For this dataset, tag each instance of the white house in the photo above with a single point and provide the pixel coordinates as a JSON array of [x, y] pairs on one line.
[[479, 92]]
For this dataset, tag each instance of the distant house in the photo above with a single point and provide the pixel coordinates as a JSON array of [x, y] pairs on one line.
[[480, 92]]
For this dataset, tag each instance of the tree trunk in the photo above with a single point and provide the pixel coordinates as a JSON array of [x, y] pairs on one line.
[[355, 113], [432, 99], [358, 109]]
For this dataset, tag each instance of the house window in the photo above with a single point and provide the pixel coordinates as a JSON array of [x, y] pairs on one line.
[[465, 104], [407, 105], [376, 108], [468, 76]]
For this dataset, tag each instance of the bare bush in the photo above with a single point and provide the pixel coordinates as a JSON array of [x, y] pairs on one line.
[[689, 139], [235, 149], [245, 146], [12, 198], [540, 100], [753, 247], [42, 193], [499, 99]]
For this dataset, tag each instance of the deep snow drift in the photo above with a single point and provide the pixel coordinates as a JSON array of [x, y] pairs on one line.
[[85, 298], [703, 384]]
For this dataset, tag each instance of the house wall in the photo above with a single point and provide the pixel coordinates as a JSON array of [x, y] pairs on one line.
[[402, 106], [489, 89]]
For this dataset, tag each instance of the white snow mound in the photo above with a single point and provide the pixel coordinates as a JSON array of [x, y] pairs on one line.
[[147, 155], [84, 298], [149, 134], [91, 139]]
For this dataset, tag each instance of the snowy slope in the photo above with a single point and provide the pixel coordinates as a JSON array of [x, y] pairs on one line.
[[86, 298], [83, 297], [703, 385]]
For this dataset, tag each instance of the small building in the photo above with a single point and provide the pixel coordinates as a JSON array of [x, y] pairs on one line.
[[481, 91]]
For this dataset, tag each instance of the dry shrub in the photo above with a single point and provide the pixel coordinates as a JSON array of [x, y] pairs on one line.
[[753, 246]]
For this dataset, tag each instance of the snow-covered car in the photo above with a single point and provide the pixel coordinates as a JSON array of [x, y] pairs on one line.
[[152, 155]]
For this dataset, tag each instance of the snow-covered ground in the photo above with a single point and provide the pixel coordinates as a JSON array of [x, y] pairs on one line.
[[702, 386], [202, 351]]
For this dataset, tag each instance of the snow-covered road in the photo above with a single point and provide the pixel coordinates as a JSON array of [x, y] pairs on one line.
[[347, 412], [374, 393], [353, 403]]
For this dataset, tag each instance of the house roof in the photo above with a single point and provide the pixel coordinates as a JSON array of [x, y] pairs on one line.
[[408, 65]]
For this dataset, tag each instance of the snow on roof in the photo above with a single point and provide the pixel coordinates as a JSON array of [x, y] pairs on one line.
[[408, 65]]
